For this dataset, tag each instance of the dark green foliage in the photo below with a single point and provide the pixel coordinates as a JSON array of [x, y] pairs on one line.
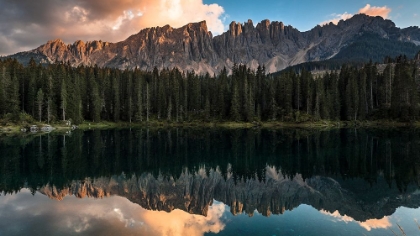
[[60, 91], [40, 103], [344, 154], [404, 92]]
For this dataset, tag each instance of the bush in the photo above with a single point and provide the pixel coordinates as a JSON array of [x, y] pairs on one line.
[[22, 118]]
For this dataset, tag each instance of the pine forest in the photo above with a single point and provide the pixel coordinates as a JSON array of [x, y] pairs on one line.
[[50, 93]]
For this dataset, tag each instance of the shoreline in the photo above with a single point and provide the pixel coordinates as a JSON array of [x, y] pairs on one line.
[[382, 124]]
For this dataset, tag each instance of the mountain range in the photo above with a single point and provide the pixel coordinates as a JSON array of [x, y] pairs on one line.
[[272, 44], [194, 192]]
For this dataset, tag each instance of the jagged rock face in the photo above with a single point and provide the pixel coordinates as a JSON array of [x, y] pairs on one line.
[[194, 193], [193, 47], [77, 53]]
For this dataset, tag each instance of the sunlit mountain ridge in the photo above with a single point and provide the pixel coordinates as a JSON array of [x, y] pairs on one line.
[[273, 44]]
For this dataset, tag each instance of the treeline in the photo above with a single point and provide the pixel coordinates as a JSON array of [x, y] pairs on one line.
[[61, 92]]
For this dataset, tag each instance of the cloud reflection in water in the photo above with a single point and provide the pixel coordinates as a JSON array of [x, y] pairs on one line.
[[370, 224], [24, 214]]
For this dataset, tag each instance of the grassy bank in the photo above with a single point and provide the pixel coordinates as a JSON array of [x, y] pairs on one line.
[[241, 125], [15, 128]]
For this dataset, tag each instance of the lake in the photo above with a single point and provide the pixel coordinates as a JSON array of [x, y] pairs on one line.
[[195, 181]]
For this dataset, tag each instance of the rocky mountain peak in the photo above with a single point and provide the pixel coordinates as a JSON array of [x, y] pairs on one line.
[[250, 23], [264, 24], [199, 26], [193, 47], [55, 41], [235, 29]]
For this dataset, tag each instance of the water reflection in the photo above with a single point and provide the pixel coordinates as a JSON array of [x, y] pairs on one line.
[[27, 214], [24, 214], [356, 177], [370, 224], [193, 192]]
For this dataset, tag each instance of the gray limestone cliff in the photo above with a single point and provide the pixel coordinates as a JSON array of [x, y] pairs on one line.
[[194, 192], [193, 47]]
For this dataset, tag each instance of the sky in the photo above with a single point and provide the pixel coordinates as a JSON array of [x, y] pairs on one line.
[[25, 25], [24, 213]]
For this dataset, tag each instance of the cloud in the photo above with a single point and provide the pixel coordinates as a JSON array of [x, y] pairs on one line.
[[181, 223], [376, 224], [337, 18], [23, 214], [367, 10], [383, 223], [28, 24], [375, 11]]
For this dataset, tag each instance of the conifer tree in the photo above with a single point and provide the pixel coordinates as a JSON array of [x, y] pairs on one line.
[[13, 100], [139, 96], [235, 106], [40, 102], [116, 97], [3, 94], [63, 97], [363, 99], [273, 103]]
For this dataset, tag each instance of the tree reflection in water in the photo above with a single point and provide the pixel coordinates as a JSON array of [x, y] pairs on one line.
[[356, 173]]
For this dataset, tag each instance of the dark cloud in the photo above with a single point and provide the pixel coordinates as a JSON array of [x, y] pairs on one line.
[[28, 24], [24, 24]]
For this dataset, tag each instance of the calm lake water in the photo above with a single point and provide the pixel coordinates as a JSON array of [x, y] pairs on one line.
[[211, 181]]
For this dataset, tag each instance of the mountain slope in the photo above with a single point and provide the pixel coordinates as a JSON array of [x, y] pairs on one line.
[[194, 193], [193, 47]]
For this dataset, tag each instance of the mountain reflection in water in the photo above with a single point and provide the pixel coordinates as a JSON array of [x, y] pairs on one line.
[[351, 176]]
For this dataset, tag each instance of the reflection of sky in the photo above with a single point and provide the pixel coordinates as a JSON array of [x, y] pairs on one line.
[[306, 220], [383, 223], [24, 214]]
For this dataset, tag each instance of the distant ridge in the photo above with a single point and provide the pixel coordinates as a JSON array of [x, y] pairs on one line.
[[193, 47]]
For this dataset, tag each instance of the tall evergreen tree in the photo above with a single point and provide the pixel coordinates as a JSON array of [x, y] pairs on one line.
[[40, 103], [63, 96]]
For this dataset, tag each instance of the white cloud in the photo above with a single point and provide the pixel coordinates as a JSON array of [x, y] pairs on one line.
[[375, 11], [337, 18]]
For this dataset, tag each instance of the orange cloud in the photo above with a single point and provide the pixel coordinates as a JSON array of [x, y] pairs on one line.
[[181, 223], [375, 11], [115, 20], [146, 13], [376, 224], [383, 223], [106, 20], [367, 10]]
